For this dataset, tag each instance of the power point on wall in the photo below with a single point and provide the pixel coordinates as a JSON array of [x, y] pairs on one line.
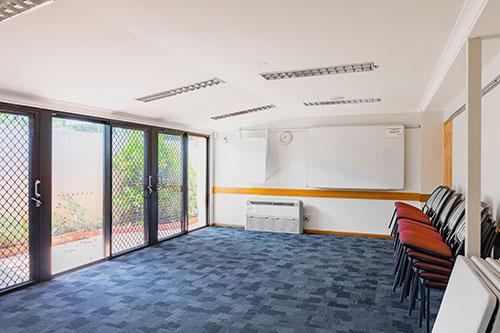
[[307, 218]]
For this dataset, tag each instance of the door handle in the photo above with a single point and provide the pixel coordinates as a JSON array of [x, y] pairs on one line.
[[150, 184], [37, 190], [36, 194]]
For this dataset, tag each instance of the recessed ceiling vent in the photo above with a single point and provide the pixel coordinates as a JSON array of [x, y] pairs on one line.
[[11, 8], [344, 101], [239, 113], [340, 69], [181, 90]]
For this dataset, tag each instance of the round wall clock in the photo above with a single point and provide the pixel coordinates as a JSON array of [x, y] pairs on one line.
[[286, 137]]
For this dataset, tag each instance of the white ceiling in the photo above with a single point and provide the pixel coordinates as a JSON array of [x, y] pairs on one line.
[[453, 86], [101, 55]]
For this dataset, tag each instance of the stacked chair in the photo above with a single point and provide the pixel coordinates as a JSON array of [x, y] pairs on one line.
[[427, 241]]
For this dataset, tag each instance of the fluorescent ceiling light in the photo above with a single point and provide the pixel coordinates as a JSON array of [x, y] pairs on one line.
[[13, 8], [181, 90], [239, 113], [340, 69], [344, 101]]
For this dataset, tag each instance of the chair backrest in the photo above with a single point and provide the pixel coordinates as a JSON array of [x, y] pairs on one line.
[[438, 201], [442, 223], [438, 206], [456, 240], [432, 197], [455, 226], [488, 234]]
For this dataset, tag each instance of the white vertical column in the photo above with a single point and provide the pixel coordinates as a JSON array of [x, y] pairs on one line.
[[473, 183], [211, 177]]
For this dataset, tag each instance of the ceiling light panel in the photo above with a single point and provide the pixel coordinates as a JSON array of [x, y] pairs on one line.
[[341, 69], [239, 113], [344, 101], [181, 90], [11, 8]]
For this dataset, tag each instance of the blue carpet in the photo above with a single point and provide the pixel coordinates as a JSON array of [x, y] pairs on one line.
[[223, 280]]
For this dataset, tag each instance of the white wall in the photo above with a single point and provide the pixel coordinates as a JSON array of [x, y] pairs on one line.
[[289, 171], [490, 147], [431, 151]]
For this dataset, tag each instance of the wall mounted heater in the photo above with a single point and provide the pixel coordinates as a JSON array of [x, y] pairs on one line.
[[275, 216]]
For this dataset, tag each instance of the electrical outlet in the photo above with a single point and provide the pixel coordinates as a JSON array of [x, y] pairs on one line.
[[307, 218]]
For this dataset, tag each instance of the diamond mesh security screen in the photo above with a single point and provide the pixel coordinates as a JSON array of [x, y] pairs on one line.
[[127, 189], [14, 199], [169, 185]]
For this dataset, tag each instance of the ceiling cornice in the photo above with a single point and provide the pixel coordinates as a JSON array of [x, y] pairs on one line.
[[470, 13]]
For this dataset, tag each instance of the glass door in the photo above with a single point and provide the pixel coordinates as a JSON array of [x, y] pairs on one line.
[[169, 185], [128, 169], [197, 182], [16, 210], [77, 193]]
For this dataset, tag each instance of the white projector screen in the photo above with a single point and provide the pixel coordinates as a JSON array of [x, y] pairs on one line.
[[356, 157]]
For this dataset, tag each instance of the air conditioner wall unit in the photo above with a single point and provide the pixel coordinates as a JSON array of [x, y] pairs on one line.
[[275, 216]]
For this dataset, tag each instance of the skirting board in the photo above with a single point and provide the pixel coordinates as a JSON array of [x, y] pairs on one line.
[[316, 232]]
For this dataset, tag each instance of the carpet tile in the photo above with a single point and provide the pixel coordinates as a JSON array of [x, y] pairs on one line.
[[223, 280]]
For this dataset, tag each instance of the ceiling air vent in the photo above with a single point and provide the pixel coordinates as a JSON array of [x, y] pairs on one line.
[[239, 113], [12, 8], [341, 69], [344, 101], [181, 90]]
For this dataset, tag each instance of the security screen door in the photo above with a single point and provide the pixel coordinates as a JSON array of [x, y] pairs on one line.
[[16, 205], [169, 187], [77, 193], [128, 165], [197, 182]]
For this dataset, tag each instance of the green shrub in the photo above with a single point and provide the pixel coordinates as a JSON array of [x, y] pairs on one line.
[[69, 216], [13, 232]]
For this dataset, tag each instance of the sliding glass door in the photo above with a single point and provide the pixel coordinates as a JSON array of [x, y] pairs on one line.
[[16, 213], [197, 182], [169, 185], [76, 189], [77, 193], [128, 160]]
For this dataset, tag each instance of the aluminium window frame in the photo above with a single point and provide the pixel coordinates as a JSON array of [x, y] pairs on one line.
[[42, 169]]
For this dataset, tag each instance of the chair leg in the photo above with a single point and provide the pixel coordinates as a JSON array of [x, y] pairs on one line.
[[402, 278], [414, 293], [422, 303], [396, 241], [406, 284], [402, 267], [428, 308], [394, 225], [392, 218], [399, 256], [411, 272]]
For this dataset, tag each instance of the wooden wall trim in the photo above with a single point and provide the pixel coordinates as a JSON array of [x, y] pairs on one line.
[[343, 233], [315, 231], [368, 195], [237, 226]]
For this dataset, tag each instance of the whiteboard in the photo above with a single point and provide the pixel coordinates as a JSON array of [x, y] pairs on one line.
[[356, 157]]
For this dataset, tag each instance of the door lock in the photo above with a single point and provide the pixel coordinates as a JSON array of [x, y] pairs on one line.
[[38, 203]]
